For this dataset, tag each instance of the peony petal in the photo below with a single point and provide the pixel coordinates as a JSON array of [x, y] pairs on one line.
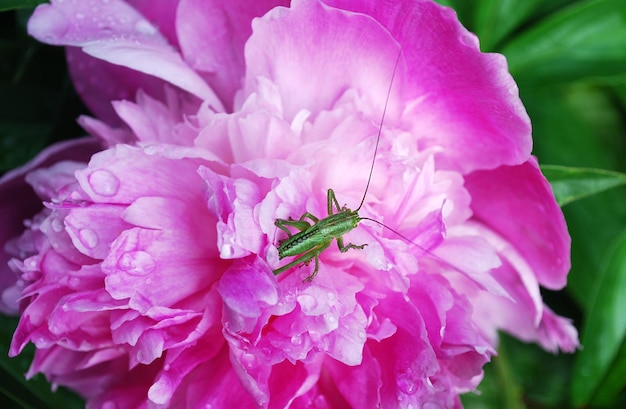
[[19, 202], [117, 33], [212, 37], [279, 49], [522, 191], [450, 83]]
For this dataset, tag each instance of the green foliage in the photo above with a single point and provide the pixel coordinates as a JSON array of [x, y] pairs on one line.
[[38, 105], [570, 184], [17, 4], [569, 58]]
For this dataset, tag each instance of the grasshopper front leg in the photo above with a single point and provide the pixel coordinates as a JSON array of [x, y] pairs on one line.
[[332, 199], [348, 246]]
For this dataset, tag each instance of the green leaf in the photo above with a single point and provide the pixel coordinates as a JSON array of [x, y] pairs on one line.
[[580, 125], [570, 184], [496, 19], [586, 40], [598, 374], [15, 390], [16, 4]]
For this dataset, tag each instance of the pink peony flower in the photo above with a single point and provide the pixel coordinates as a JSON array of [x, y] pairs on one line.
[[147, 279]]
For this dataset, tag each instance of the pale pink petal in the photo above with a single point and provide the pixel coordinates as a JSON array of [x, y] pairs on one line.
[[279, 49], [212, 35]]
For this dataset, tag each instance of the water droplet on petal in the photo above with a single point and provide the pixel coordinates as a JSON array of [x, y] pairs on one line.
[[406, 383], [296, 340], [289, 297], [136, 263], [307, 302], [227, 251], [74, 282], [248, 360], [88, 238], [57, 225], [109, 405], [104, 183], [31, 263], [143, 27]]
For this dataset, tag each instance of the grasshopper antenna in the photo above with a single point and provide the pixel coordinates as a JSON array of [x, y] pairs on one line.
[[380, 130], [405, 238]]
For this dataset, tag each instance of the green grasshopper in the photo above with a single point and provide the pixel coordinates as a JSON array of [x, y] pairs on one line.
[[317, 235]]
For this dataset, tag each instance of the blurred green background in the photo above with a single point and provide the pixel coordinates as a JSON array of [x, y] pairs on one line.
[[569, 60]]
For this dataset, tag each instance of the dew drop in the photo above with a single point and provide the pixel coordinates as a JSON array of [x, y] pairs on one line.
[[74, 282], [57, 225], [31, 263], [137, 263], [362, 335], [104, 183], [296, 340], [227, 251], [166, 367], [143, 27], [109, 405], [248, 360], [88, 238], [290, 296], [406, 383], [307, 302]]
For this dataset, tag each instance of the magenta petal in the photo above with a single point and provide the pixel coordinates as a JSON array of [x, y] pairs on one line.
[[117, 33], [212, 37], [99, 82], [451, 82], [523, 192], [19, 202], [246, 287], [359, 385], [557, 333]]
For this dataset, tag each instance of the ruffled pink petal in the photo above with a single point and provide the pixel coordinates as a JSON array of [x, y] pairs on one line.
[[449, 83], [212, 35], [279, 49], [118, 34], [557, 333], [151, 120], [19, 203], [523, 314], [523, 192]]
